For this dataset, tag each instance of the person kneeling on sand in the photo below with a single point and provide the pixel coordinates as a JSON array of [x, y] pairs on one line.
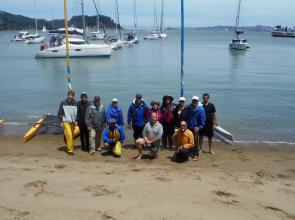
[[113, 134], [184, 143], [152, 134]]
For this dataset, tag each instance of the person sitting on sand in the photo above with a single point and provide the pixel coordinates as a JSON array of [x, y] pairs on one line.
[[67, 115], [196, 121], [211, 123], [184, 143], [95, 120], [114, 111], [155, 107], [112, 134], [152, 134]]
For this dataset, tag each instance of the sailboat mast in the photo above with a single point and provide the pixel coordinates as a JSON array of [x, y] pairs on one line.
[[238, 16], [135, 17], [67, 47], [36, 24], [118, 18], [83, 19], [182, 50], [162, 16]]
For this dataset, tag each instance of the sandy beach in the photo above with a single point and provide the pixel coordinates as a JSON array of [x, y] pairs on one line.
[[38, 180]]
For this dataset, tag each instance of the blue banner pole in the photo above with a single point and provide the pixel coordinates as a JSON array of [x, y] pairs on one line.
[[182, 50]]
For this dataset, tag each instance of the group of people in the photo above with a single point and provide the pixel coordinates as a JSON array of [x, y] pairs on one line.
[[179, 127]]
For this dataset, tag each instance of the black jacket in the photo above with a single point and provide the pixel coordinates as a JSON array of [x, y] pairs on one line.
[[180, 117], [81, 112]]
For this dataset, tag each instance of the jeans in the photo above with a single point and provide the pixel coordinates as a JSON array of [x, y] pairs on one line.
[[182, 155], [84, 137], [196, 151]]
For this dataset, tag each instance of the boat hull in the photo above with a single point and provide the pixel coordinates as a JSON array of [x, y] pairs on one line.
[[238, 46], [32, 131], [89, 50], [287, 35], [38, 40]]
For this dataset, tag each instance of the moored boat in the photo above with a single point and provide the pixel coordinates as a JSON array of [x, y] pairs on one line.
[[280, 31]]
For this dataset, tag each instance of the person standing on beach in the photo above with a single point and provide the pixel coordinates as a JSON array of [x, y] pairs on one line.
[[67, 115], [113, 134], [167, 120], [155, 107], [82, 106], [152, 134], [184, 143], [115, 112], [211, 122], [136, 116], [180, 112], [196, 121], [95, 120]]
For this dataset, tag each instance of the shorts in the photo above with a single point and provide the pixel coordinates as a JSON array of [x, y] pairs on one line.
[[137, 131], [154, 147], [207, 131]]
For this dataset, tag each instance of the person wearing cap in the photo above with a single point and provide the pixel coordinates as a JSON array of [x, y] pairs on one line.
[[180, 112], [136, 116], [155, 107], [82, 107], [196, 121], [152, 134], [114, 111], [211, 122], [112, 134], [184, 143], [95, 120], [67, 115], [167, 120]]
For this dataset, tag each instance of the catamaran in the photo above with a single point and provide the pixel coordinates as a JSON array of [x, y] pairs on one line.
[[238, 43]]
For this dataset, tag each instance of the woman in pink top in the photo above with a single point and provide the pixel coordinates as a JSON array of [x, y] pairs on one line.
[[155, 107]]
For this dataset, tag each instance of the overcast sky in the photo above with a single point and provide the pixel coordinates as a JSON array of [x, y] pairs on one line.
[[197, 12]]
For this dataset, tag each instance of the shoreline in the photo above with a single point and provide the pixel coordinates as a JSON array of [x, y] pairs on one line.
[[39, 180]]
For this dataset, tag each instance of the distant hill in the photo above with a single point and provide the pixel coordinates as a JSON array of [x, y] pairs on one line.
[[256, 28], [10, 21]]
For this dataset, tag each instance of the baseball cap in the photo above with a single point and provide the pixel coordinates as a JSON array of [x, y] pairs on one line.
[[113, 121], [195, 98], [115, 100], [181, 99]]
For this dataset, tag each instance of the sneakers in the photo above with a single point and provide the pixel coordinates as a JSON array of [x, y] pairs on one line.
[[92, 152], [98, 149]]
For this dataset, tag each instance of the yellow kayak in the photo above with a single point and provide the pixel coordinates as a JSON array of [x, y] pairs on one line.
[[33, 130], [1, 121]]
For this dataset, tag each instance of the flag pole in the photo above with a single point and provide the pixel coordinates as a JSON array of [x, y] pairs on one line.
[[182, 50], [67, 47]]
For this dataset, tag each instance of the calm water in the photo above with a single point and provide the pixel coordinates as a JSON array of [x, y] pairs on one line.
[[253, 91]]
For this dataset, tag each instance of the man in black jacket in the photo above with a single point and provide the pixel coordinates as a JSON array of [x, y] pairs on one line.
[[83, 105], [180, 112]]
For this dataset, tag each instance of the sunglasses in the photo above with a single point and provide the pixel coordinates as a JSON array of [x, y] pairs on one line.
[[183, 125]]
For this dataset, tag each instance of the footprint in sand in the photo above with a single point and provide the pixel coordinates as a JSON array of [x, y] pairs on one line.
[[60, 166], [223, 193], [275, 209], [9, 213], [36, 184], [98, 190], [283, 176], [163, 179]]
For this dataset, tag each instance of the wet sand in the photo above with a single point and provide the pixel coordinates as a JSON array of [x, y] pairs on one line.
[[38, 180]]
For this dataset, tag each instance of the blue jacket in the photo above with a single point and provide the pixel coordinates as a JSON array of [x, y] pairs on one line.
[[136, 114], [108, 140], [196, 117], [116, 113]]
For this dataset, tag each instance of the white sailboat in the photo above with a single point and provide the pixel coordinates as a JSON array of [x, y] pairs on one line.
[[116, 42], [77, 47], [154, 34], [162, 34], [44, 29], [35, 38], [131, 38], [238, 43], [97, 35]]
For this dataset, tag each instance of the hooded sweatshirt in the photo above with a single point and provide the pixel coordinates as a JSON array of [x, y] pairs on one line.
[[67, 111], [96, 117], [116, 113], [136, 113]]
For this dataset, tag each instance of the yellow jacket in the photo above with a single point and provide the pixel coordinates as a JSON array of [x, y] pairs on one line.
[[185, 139]]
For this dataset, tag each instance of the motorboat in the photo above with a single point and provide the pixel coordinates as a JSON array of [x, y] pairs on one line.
[[21, 36], [163, 35], [280, 31], [35, 39]]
